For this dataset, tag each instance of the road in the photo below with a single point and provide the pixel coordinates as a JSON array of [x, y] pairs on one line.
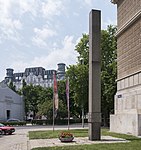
[[49, 127]]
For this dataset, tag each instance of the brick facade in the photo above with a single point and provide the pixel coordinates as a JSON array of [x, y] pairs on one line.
[[126, 9], [129, 50]]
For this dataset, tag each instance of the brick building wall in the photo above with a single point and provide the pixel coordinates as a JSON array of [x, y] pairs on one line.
[[126, 9], [129, 37], [129, 50]]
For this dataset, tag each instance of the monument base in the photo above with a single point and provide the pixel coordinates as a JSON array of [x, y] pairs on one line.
[[126, 124], [127, 117]]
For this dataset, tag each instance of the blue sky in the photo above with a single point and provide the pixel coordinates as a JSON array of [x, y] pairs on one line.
[[42, 33]]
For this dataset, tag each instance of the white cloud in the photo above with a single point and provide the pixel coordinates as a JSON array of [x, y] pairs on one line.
[[65, 55], [9, 29], [4, 7], [19, 67], [29, 6], [108, 22], [52, 8], [9, 26], [41, 36], [12, 16], [12, 13], [88, 2]]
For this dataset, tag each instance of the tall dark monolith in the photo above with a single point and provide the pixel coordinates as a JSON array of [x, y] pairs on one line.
[[94, 116]]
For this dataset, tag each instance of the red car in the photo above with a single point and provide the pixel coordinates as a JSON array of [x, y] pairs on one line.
[[0, 132], [6, 129]]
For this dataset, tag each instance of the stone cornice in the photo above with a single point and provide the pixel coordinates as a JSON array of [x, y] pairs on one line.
[[129, 75], [129, 23]]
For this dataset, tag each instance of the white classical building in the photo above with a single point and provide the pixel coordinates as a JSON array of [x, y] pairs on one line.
[[35, 76], [11, 104]]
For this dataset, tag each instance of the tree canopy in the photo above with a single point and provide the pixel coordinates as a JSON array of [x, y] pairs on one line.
[[79, 73]]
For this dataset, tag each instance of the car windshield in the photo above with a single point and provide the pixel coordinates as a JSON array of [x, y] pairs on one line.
[[2, 125]]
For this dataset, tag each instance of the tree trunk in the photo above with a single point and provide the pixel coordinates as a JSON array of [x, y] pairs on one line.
[[106, 119]]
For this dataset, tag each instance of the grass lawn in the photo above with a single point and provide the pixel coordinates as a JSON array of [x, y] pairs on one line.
[[50, 134], [134, 144]]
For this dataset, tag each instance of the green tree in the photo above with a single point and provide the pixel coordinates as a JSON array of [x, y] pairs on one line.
[[45, 94], [62, 91], [12, 86], [83, 49], [24, 92], [46, 109], [108, 71], [31, 97], [79, 73], [34, 95]]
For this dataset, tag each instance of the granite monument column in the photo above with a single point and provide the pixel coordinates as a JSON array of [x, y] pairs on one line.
[[94, 116]]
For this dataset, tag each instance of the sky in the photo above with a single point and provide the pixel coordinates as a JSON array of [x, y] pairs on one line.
[[43, 33]]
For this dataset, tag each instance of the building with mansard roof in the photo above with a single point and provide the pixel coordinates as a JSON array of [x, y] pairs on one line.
[[35, 76]]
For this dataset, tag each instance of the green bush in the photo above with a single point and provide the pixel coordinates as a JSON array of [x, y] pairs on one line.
[[14, 123], [56, 121]]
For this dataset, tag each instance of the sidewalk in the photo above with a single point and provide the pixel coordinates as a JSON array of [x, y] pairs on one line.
[[17, 141], [76, 141]]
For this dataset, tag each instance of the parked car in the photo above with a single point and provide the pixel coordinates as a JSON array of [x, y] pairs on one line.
[[13, 120], [6, 129], [0, 132]]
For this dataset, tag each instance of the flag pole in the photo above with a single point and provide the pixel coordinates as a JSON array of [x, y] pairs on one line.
[[68, 120], [53, 100], [67, 95]]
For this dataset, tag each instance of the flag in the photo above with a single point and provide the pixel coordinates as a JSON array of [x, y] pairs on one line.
[[67, 93], [55, 93]]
